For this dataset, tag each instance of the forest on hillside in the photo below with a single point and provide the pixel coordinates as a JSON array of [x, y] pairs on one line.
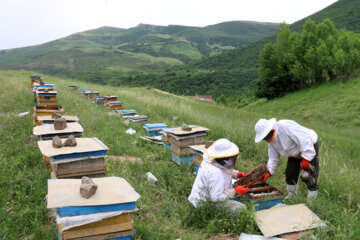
[[319, 54]]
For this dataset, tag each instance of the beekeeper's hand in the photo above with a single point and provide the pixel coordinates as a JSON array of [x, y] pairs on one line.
[[241, 174], [305, 164], [239, 190], [267, 175], [236, 174]]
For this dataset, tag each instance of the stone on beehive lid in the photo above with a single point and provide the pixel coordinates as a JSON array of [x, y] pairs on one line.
[[56, 115], [185, 127], [88, 187], [70, 141], [56, 142], [60, 123]]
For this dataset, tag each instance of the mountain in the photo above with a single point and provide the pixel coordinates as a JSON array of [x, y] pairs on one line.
[[109, 53], [234, 72]]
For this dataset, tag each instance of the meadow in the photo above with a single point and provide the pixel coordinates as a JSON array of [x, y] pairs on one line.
[[165, 212]]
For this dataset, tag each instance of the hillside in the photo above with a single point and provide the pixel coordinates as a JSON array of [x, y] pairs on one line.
[[108, 53], [235, 72], [165, 212]]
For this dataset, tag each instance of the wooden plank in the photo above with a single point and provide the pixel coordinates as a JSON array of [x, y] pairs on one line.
[[181, 151], [187, 142], [81, 163], [119, 223], [260, 189]]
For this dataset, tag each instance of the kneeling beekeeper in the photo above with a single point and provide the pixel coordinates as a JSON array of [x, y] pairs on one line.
[[299, 144], [214, 179]]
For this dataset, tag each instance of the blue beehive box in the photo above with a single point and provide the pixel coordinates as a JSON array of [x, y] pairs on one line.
[[139, 119], [127, 113], [99, 100], [265, 198], [154, 129], [181, 160], [114, 197]]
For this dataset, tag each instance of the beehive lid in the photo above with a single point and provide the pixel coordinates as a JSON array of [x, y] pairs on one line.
[[198, 148], [83, 145], [49, 118], [195, 129], [111, 190], [49, 129]]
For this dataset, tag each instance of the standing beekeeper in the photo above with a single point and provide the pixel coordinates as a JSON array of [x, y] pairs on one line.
[[214, 179], [299, 144]]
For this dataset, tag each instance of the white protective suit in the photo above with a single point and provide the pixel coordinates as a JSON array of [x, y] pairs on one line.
[[291, 140], [215, 184]]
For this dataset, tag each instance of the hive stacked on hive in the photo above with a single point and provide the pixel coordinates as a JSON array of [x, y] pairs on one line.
[[105, 215], [181, 138], [35, 79]]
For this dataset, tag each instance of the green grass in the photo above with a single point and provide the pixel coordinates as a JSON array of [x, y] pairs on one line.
[[333, 107], [165, 212]]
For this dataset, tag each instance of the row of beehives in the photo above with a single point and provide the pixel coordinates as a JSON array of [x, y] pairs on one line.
[[186, 144], [99, 216], [111, 102]]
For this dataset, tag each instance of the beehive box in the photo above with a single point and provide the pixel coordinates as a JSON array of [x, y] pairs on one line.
[[182, 160], [105, 215], [264, 196], [118, 226], [85, 148], [83, 91], [113, 105], [127, 113], [92, 94], [153, 129], [99, 100], [142, 119], [47, 131], [110, 98], [46, 110], [78, 167], [46, 98]]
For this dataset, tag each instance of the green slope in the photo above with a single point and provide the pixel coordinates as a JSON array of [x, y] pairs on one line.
[[111, 53], [331, 105], [234, 72], [165, 212]]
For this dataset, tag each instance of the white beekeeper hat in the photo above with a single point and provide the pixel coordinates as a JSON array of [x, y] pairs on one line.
[[263, 127], [222, 148]]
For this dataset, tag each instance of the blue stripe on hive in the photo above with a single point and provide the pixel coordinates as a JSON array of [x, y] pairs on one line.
[[80, 155], [84, 210]]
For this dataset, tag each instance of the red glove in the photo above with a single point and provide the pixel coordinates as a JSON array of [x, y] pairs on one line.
[[305, 164], [267, 175], [241, 190], [241, 174]]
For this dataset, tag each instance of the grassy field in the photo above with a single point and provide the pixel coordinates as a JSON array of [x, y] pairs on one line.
[[165, 212]]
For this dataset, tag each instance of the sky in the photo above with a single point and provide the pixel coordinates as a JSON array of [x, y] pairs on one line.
[[32, 22]]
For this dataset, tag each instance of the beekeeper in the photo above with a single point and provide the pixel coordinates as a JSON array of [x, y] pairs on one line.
[[214, 179], [299, 144]]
